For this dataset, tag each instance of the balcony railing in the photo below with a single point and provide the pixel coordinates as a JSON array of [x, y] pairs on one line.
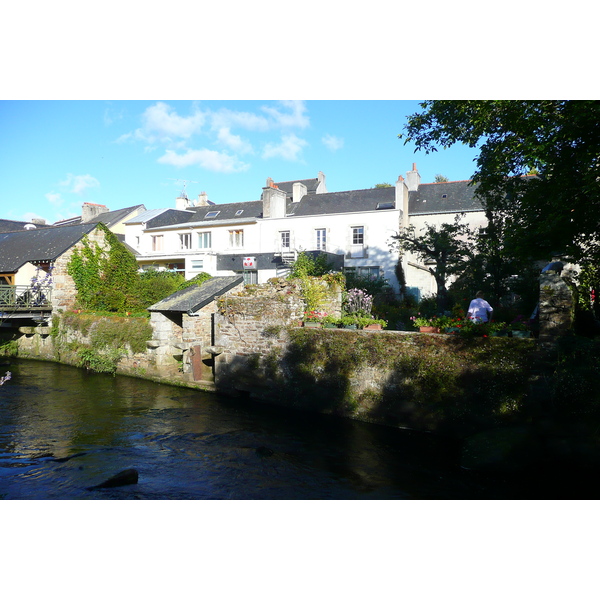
[[24, 297]]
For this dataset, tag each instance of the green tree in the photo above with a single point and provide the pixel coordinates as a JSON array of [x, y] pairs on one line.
[[440, 179], [446, 249], [557, 209], [383, 185]]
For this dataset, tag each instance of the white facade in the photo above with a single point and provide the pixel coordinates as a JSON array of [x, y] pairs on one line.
[[356, 226]]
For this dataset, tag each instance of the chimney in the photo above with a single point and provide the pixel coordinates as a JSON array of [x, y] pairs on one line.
[[203, 199], [299, 190], [321, 187], [38, 221], [89, 211], [182, 202], [274, 201], [401, 200], [413, 179]]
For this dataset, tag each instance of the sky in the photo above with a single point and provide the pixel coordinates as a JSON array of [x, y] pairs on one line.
[[56, 154]]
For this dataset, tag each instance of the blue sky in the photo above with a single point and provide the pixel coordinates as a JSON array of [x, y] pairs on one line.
[[55, 155]]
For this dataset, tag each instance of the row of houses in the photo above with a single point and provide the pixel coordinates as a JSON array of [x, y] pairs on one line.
[[257, 240]]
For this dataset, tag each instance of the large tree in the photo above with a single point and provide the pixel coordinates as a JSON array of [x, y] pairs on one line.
[[445, 250], [558, 209]]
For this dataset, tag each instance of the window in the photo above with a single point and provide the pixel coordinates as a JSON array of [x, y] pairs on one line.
[[358, 236], [204, 240], [137, 241], [236, 238], [285, 239], [211, 214], [177, 267], [250, 277], [321, 239], [157, 243], [197, 265], [185, 241], [238, 212], [365, 272]]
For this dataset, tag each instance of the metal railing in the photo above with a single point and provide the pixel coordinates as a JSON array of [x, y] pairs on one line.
[[24, 297]]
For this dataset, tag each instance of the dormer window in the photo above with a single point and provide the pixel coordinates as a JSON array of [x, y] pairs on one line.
[[212, 214]]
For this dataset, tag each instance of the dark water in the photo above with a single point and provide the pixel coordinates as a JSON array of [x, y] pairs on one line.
[[63, 430]]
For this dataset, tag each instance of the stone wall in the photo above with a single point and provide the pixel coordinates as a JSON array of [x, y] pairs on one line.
[[64, 291], [556, 307]]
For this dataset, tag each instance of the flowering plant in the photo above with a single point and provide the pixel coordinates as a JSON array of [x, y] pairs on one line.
[[4, 379], [315, 316], [358, 302], [436, 321]]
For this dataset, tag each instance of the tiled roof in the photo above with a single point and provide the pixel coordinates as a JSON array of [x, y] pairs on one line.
[[193, 298], [46, 244], [8, 225], [446, 197], [343, 202], [113, 217]]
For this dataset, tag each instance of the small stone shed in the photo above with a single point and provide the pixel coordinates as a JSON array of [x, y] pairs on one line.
[[183, 325]]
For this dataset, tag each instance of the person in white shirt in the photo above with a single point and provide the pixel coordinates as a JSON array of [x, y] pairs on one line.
[[479, 310]]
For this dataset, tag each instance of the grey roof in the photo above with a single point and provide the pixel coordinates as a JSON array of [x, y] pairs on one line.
[[228, 211], [46, 244], [113, 217], [447, 197], [160, 217], [288, 186], [343, 202], [8, 225], [193, 298]]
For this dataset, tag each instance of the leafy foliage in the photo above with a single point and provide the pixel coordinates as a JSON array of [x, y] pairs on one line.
[[307, 265], [447, 248]]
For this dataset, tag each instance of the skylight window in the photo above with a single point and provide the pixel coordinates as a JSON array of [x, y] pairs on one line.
[[384, 205], [212, 214], [239, 212]]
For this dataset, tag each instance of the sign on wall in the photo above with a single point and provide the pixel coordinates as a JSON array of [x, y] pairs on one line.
[[249, 262]]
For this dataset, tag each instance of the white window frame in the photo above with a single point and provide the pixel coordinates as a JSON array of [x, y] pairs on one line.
[[185, 241], [250, 276], [285, 239], [236, 238], [203, 238], [197, 265], [158, 243], [321, 239]]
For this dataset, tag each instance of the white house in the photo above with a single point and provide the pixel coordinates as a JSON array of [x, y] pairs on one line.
[[260, 239]]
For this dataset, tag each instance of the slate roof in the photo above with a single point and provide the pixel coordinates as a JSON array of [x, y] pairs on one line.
[[8, 225], [193, 298], [343, 202], [110, 218], [46, 244], [228, 211], [160, 217], [288, 186], [446, 197]]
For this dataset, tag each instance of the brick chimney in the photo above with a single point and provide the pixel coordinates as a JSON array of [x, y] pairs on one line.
[[89, 211], [203, 199]]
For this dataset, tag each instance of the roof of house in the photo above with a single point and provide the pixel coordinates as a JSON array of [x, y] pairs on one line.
[[343, 202], [193, 298], [288, 186], [110, 218], [8, 225], [445, 197], [46, 244], [158, 217]]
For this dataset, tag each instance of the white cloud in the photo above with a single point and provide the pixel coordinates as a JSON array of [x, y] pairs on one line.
[[332, 142], [295, 118], [160, 122], [289, 148], [54, 198], [235, 142], [207, 159], [77, 184], [245, 120]]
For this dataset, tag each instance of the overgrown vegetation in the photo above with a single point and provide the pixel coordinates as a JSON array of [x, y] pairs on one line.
[[107, 278]]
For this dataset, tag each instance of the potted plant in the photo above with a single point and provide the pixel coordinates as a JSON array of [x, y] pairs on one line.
[[426, 325], [373, 324], [314, 318], [498, 329], [330, 322], [520, 327], [349, 322]]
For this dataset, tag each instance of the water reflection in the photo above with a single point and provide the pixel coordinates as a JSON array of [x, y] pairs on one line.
[[63, 431]]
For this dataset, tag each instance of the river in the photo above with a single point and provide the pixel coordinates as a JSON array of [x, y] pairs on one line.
[[63, 431]]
